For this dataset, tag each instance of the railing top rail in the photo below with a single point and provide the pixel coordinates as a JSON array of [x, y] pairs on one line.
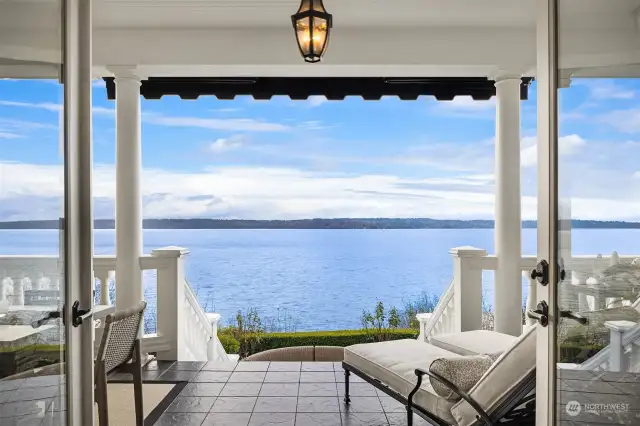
[[490, 261], [12, 257], [193, 301], [440, 307]]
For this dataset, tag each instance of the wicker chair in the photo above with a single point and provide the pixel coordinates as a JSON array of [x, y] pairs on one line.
[[120, 347]]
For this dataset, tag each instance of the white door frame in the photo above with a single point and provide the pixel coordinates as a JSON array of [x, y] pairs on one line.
[[78, 229], [547, 84]]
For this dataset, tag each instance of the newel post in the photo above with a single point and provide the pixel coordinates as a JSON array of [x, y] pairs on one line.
[[467, 288], [212, 348], [171, 300], [616, 350], [423, 320]]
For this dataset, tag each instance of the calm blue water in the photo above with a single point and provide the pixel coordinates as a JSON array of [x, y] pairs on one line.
[[321, 278]]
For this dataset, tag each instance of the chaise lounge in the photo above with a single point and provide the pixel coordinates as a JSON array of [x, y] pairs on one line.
[[472, 378]]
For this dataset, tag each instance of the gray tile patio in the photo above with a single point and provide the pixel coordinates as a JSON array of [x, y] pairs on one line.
[[297, 394], [277, 393]]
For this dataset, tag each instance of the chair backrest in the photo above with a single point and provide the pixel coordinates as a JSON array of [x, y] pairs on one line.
[[513, 369], [119, 336]]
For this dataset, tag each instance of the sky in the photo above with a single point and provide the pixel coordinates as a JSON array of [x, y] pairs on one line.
[[284, 159]]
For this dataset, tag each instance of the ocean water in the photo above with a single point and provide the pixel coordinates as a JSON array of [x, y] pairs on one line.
[[320, 279]]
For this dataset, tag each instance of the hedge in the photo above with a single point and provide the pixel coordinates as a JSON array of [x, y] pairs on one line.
[[252, 344], [229, 343]]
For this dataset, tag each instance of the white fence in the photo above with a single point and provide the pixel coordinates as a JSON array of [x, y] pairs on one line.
[[460, 306], [184, 331]]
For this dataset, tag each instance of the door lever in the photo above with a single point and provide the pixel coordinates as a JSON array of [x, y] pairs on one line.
[[541, 314], [79, 315], [576, 317], [541, 273]]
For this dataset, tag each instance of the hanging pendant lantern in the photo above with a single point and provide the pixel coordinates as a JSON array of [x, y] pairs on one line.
[[312, 24]]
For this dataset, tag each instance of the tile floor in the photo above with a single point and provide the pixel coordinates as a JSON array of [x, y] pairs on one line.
[[292, 393], [275, 393]]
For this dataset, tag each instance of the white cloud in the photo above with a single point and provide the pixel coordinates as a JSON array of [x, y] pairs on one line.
[[227, 110], [315, 101], [49, 106], [7, 135], [227, 144], [465, 107], [627, 121], [467, 103], [567, 145], [229, 124], [256, 193], [601, 89], [29, 191]]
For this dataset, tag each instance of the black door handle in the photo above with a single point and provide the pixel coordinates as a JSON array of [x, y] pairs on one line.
[[79, 315], [541, 314], [576, 317], [541, 273]]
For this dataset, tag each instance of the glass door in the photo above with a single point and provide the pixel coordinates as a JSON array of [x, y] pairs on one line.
[[46, 361], [589, 212]]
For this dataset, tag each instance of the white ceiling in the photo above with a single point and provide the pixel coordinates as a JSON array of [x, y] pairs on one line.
[[276, 13], [370, 37]]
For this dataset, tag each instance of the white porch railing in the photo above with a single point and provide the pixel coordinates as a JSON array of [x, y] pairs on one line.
[[184, 331], [460, 306], [30, 280], [201, 330]]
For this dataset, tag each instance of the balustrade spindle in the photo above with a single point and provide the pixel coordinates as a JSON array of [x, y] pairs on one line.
[[18, 289], [103, 276]]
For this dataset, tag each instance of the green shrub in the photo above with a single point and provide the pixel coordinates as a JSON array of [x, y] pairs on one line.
[[229, 343], [378, 324], [343, 338]]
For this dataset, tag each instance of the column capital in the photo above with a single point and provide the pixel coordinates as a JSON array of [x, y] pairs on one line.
[[126, 72], [503, 76]]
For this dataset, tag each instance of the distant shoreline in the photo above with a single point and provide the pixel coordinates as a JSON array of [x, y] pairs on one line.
[[337, 223]]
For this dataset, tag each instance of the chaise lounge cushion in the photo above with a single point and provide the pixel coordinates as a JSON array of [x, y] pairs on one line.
[[393, 364], [509, 370], [463, 371], [475, 342]]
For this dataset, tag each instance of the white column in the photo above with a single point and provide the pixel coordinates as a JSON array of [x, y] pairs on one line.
[[128, 197], [508, 218], [467, 288]]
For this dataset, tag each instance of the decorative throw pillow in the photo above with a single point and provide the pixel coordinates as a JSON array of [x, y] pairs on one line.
[[462, 371]]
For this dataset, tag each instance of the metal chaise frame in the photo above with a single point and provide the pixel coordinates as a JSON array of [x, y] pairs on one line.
[[518, 408]]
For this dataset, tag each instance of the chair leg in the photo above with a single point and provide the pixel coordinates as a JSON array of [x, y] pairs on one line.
[[137, 384], [101, 396], [347, 373], [409, 416]]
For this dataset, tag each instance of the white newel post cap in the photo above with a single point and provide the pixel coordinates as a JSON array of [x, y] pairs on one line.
[[213, 318], [619, 326], [424, 317], [467, 251], [170, 251]]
